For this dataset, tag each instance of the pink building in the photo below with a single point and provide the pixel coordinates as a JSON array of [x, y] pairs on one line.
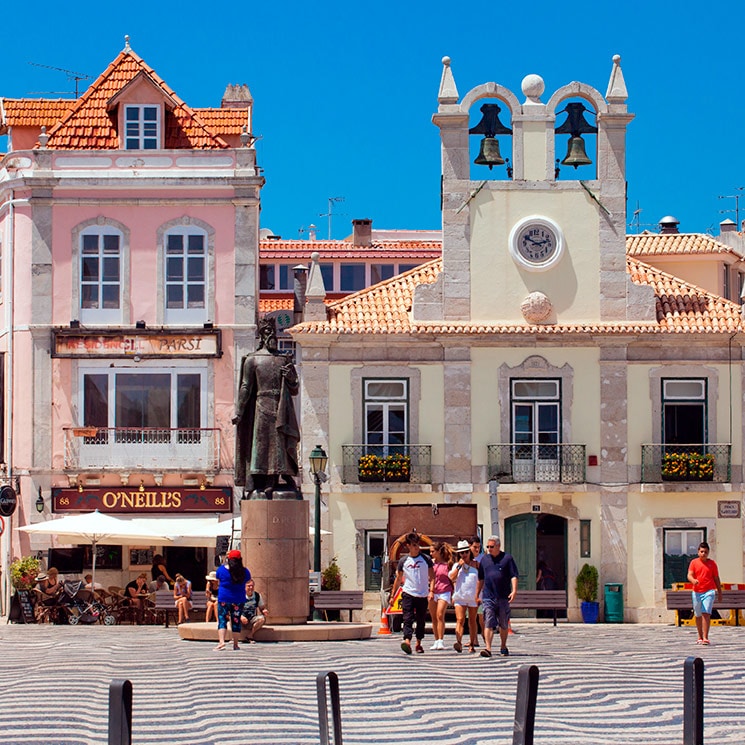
[[129, 242]]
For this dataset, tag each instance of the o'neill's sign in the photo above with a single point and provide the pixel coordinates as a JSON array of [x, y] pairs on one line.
[[149, 500]]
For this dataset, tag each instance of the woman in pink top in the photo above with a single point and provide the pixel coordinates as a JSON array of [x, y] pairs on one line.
[[440, 591]]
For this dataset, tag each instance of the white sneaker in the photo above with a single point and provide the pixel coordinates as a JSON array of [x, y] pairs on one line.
[[436, 645], [440, 644]]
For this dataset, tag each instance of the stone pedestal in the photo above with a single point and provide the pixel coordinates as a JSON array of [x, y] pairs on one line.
[[276, 549]]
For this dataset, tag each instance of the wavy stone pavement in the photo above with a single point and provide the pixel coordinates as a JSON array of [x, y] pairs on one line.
[[610, 684]]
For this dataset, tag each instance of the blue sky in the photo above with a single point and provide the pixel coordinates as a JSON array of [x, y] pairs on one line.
[[344, 93]]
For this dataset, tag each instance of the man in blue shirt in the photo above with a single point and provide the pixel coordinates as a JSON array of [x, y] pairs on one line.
[[496, 588]]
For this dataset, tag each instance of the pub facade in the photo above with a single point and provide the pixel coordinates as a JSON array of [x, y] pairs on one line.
[[129, 235]]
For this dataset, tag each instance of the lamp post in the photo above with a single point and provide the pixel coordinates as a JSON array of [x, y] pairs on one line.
[[318, 460], [40, 503]]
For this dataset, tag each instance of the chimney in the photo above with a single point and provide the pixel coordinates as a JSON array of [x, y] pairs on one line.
[[236, 97], [311, 232], [727, 226], [669, 225], [362, 235]]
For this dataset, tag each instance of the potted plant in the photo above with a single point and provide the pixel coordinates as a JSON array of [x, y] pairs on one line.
[[371, 468], [397, 467], [586, 587], [331, 576], [23, 572]]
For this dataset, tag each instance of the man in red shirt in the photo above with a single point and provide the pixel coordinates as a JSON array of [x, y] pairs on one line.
[[703, 573]]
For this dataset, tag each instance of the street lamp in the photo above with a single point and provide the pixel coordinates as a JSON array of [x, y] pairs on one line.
[[318, 460], [40, 503]]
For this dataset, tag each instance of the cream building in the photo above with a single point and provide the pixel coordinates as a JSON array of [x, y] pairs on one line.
[[588, 403]]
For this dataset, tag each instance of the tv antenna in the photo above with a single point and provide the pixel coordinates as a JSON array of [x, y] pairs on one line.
[[636, 220], [330, 213], [71, 75], [737, 198]]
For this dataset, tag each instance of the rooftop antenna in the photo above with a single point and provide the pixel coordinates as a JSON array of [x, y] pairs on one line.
[[330, 213], [737, 198], [71, 75], [636, 219]]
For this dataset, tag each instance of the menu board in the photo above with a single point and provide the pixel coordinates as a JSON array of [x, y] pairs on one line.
[[141, 556], [21, 610]]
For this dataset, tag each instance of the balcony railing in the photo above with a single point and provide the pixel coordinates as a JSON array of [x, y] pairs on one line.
[[379, 463], [710, 462], [519, 463], [153, 448]]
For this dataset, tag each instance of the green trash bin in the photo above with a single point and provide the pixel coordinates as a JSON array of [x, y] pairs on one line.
[[613, 602]]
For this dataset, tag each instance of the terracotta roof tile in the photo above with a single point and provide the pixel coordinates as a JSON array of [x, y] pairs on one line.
[[90, 126], [666, 244], [33, 112], [267, 305], [385, 309], [223, 121], [402, 251]]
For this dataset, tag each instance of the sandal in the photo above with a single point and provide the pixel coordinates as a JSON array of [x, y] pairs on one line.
[[458, 647], [485, 653], [219, 648]]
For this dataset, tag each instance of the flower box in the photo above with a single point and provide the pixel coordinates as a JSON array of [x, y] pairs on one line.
[[688, 467], [384, 468]]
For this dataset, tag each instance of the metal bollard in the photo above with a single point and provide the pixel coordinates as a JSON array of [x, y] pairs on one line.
[[323, 709], [525, 700], [693, 701], [120, 712]]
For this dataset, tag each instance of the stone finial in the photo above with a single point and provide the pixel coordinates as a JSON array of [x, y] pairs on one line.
[[448, 92], [616, 92], [127, 48], [315, 290], [536, 307], [43, 137], [533, 87]]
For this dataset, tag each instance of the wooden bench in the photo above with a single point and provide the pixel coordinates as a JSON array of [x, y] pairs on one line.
[[165, 604], [554, 600], [327, 600], [732, 600]]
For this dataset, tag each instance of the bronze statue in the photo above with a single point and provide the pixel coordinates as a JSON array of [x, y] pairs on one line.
[[267, 432]]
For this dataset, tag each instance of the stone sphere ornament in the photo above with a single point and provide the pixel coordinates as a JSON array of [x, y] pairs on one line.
[[536, 307]]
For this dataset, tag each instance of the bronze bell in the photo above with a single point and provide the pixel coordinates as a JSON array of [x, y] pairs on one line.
[[489, 154], [576, 154]]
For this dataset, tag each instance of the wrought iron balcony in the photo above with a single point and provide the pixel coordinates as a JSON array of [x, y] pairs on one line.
[[155, 448], [378, 463], [709, 462], [520, 463]]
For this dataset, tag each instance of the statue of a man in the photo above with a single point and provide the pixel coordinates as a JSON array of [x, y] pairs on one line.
[[267, 431]]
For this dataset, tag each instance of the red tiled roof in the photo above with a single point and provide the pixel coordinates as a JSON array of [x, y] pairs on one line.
[[385, 308], [267, 305], [666, 244], [330, 250], [223, 121], [32, 112], [91, 126]]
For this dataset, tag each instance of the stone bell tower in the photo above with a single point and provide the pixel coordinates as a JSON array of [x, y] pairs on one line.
[[546, 243]]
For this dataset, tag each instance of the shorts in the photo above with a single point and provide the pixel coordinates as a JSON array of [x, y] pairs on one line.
[[443, 596], [496, 611], [469, 602], [230, 611], [703, 602]]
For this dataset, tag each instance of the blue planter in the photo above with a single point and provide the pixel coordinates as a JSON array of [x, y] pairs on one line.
[[590, 611]]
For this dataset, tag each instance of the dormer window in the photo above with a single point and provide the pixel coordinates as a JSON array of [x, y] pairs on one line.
[[142, 125]]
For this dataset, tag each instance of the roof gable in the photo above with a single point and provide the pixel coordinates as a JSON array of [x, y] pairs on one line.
[[90, 124]]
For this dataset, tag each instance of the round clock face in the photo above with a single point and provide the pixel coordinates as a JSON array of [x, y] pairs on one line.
[[536, 243]]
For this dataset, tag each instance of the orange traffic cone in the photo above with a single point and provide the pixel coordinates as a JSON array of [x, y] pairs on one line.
[[383, 625]]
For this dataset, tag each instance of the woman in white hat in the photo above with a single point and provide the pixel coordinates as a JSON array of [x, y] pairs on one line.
[[211, 593], [465, 575]]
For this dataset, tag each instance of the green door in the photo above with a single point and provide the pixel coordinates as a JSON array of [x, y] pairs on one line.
[[520, 541]]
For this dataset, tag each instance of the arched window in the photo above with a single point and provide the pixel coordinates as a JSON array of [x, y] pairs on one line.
[[185, 274], [100, 274]]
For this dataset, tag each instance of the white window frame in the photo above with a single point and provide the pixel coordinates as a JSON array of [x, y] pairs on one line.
[[186, 315], [100, 315], [385, 404], [141, 133]]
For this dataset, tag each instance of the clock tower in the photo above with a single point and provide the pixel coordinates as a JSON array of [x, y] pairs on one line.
[[527, 237]]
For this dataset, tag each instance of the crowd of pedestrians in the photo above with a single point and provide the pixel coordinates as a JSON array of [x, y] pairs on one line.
[[477, 585]]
